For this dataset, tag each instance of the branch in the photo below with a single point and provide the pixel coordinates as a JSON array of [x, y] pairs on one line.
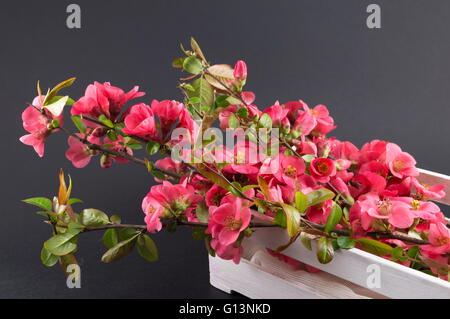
[[110, 151], [341, 232], [90, 119]]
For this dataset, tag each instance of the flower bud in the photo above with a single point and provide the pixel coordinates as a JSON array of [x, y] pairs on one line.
[[105, 161], [240, 70]]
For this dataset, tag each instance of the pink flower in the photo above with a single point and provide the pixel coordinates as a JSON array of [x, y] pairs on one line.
[[439, 238], [140, 121], [325, 122], [168, 112], [104, 99], [227, 252], [248, 97], [278, 114], [294, 108], [168, 164], [37, 125], [153, 218], [78, 153], [214, 195], [286, 169], [344, 150], [372, 151], [118, 146], [319, 213], [305, 122], [401, 164], [321, 169], [396, 212], [367, 182], [240, 70], [359, 218], [167, 200], [228, 220], [246, 160], [434, 191]]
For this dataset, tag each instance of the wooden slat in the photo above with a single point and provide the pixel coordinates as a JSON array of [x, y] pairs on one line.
[[432, 178]]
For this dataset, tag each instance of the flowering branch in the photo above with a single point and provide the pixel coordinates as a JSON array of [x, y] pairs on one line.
[[315, 187]]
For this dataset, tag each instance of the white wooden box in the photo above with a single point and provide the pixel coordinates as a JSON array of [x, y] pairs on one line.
[[348, 275]]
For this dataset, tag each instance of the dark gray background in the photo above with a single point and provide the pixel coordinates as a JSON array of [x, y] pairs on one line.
[[391, 83]]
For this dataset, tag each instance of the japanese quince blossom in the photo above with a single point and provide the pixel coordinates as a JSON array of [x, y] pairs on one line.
[[168, 200], [79, 153], [226, 223], [38, 125], [439, 237], [104, 99], [157, 121]]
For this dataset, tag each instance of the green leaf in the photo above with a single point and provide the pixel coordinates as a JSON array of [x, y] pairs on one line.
[[120, 250], [221, 101], [346, 213], [41, 202], [204, 94], [345, 242], [374, 246], [300, 202], [222, 74], [192, 65], [135, 146], [61, 244], [413, 252], [115, 219], [178, 63], [196, 48], [265, 121], [75, 228], [305, 239], [47, 258], [57, 88], [396, 253], [79, 123], [72, 201], [146, 247], [292, 219], [202, 213], [280, 218], [112, 135], [318, 196], [93, 217], [233, 122], [334, 218], [242, 112], [264, 187], [233, 101], [110, 238], [152, 147], [127, 233], [194, 100], [105, 121], [325, 251]]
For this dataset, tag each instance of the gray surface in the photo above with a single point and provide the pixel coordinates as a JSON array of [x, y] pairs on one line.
[[390, 84]]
